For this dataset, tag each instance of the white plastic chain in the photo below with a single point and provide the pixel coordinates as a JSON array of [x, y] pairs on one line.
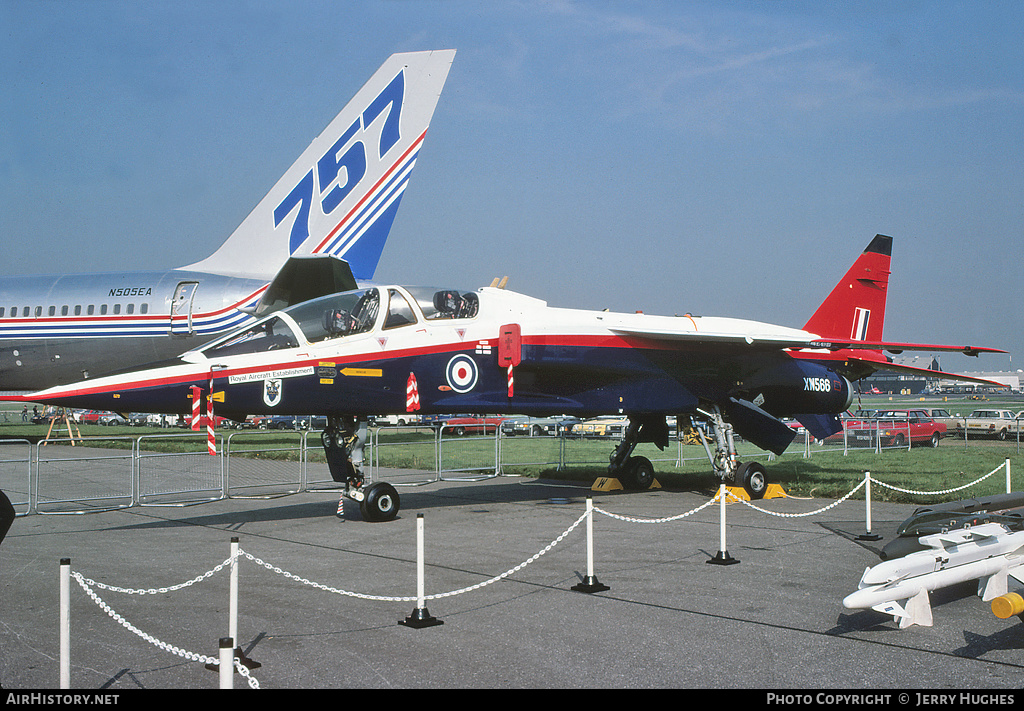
[[944, 491], [190, 656], [667, 519], [87, 583], [435, 596], [854, 490], [158, 591], [797, 515]]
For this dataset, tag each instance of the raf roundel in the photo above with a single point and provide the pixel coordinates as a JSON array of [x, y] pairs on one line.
[[461, 373]]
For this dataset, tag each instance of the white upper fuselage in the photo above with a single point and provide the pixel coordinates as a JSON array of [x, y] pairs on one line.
[[296, 344]]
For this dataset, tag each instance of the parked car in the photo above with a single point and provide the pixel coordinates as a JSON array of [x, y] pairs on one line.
[[276, 422], [87, 417], [988, 423], [46, 417], [472, 424], [310, 422], [161, 420], [394, 420], [941, 415], [897, 428], [112, 419], [602, 427], [538, 426], [249, 423]]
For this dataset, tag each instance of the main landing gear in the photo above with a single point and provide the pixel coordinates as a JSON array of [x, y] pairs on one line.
[[752, 476], [343, 442], [635, 472]]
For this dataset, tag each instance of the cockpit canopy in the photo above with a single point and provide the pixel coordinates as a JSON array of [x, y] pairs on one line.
[[346, 314]]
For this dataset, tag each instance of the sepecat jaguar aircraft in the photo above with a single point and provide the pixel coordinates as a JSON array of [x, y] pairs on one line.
[[392, 349]]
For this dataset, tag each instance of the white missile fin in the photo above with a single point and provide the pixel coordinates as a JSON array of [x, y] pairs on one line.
[[918, 611], [1017, 573], [992, 586], [890, 607]]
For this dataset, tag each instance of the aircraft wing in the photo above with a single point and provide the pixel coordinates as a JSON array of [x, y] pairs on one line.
[[785, 338], [797, 340]]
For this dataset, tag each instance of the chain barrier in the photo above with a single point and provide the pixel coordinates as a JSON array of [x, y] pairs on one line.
[[185, 654], [87, 584], [936, 493], [667, 519], [159, 591], [860, 485], [797, 515], [413, 598]]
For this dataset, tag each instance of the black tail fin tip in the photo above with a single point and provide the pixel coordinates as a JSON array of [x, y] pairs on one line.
[[881, 244]]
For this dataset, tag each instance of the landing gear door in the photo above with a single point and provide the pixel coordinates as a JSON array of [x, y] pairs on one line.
[[510, 343], [181, 308]]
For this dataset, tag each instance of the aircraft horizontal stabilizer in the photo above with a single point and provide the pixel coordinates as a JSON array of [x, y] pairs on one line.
[[873, 365], [897, 348]]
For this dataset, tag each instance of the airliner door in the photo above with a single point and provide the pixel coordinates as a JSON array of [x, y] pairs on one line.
[[181, 308]]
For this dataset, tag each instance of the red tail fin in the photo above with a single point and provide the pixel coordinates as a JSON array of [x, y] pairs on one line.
[[856, 307]]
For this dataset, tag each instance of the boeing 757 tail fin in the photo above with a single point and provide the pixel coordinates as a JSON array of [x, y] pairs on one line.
[[340, 197]]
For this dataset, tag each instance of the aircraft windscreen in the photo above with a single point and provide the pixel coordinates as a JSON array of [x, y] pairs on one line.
[[267, 335], [445, 303], [343, 314]]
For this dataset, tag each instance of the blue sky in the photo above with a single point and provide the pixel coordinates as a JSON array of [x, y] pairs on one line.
[[720, 158]]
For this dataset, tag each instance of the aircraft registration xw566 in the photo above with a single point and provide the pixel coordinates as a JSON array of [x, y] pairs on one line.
[[320, 229], [391, 349]]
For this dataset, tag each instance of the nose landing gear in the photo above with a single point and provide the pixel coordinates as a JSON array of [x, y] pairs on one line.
[[343, 441]]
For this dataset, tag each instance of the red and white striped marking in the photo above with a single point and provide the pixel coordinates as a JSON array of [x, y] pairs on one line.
[[412, 394], [197, 402], [510, 380], [211, 438]]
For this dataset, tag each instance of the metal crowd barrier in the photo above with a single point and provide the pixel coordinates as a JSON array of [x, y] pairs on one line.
[[100, 473]]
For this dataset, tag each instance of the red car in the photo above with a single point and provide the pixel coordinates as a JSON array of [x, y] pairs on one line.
[[88, 417], [471, 424], [896, 428]]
